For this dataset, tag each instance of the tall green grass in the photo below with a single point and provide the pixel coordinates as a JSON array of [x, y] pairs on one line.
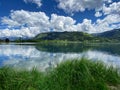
[[70, 75]]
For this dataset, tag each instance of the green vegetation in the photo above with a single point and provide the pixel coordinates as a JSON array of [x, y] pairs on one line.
[[109, 48], [75, 74], [112, 36], [113, 48], [62, 47], [70, 37], [0, 40], [109, 36], [65, 36], [62, 37]]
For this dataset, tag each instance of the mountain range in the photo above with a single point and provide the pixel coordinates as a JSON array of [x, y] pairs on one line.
[[108, 36], [69, 36], [113, 34]]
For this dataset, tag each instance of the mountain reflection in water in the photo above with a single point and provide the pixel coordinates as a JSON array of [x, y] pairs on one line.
[[46, 56]]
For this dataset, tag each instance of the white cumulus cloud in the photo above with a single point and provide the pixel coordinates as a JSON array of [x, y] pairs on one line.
[[21, 23], [62, 23], [98, 14], [71, 6], [37, 2], [27, 57], [28, 23], [86, 26], [108, 23], [113, 8]]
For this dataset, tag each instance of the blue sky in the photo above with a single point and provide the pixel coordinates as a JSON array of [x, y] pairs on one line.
[[49, 7], [27, 18]]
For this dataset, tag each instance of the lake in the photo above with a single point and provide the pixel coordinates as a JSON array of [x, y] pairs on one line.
[[46, 56]]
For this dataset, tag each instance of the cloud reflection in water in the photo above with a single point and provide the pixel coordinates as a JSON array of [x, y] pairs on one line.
[[27, 57]]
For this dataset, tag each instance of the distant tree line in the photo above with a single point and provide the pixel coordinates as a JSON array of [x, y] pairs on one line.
[[5, 40]]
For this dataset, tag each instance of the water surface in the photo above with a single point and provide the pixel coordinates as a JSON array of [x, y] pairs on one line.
[[43, 57]]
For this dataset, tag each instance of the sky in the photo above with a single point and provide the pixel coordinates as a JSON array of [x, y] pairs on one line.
[[27, 18]]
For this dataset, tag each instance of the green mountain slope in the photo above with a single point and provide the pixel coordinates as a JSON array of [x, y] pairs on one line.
[[69, 36], [109, 36], [113, 34]]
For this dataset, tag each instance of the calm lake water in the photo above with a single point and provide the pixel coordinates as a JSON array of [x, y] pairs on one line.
[[44, 57]]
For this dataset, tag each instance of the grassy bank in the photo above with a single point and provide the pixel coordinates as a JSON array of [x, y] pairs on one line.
[[71, 75]]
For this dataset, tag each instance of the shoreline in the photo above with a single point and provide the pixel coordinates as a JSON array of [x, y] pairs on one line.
[[78, 74]]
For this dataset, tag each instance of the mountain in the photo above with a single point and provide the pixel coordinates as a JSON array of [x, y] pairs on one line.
[[113, 34], [69, 36], [108, 36]]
